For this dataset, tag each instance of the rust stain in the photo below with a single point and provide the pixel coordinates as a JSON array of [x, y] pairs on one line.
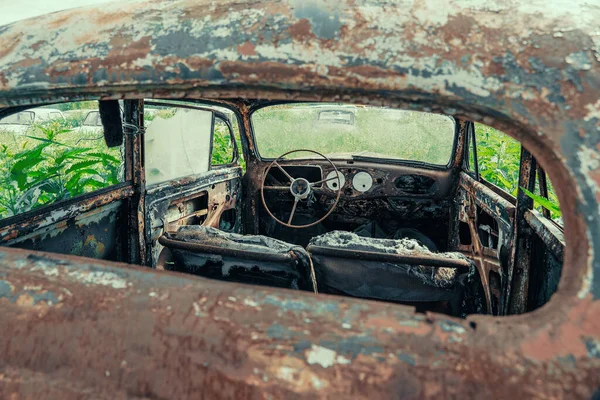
[[128, 52], [301, 30], [566, 339], [25, 300], [37, 45], [3, 81], [28, 62], [246, 49]]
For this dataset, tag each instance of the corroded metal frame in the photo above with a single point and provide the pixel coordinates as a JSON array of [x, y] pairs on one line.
[[75, 326]]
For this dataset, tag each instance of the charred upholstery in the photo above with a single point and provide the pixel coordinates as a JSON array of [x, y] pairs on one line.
[[213, 253], [399, 270]]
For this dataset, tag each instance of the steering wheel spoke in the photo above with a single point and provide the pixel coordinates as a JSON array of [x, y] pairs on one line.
[[284, 171], [296, 200], [333, 178]]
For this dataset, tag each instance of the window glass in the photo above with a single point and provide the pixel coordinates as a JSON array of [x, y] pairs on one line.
[[21, 118], [92, 119], [342, 131], [177, 142], [222, 151], [226, 152], [46, 156], [499, 158]]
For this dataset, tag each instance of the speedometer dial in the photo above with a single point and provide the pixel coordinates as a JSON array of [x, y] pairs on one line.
[[362, 181], [332, 183]]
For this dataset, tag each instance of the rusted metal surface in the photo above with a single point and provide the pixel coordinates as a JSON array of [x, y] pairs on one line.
[[545, 229], [40, 219], [94, 233], [135, 172], [519, 266], [223, 200], [485, 260], [477, 194], [225, 191], [528, 69], [140, 333], [488, 200]]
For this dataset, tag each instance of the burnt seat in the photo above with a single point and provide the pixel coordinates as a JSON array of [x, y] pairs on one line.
[[397, 270], [212, 253]]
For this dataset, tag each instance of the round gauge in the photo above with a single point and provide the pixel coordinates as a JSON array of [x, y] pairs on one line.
[[332, 183], [362, 181]]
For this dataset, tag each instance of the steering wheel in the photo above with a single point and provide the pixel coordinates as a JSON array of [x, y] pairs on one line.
[[300, 188]]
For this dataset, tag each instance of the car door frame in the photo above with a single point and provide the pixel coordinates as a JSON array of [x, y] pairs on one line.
[[514, 262], [220, 183]]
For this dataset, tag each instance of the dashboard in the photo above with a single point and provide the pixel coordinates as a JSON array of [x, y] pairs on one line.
[[395, 196], [367, 180]]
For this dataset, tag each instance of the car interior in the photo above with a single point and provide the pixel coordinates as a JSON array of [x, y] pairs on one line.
[[349, 200]]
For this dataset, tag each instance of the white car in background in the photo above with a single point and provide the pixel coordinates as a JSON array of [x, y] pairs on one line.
[[23, 121], [92, 122]]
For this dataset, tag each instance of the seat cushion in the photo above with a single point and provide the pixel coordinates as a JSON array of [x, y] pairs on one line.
[[356, 268], [216, 237], [213, 253]]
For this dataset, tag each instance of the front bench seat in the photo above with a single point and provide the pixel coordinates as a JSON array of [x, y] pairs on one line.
[[397, 270], [212, 253]]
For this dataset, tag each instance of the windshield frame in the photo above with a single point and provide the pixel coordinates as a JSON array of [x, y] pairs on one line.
[[382, 160]]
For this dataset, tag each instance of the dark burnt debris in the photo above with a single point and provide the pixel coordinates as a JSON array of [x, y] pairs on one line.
[[76, 325]]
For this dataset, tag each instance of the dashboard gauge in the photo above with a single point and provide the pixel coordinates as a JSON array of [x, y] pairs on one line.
[[332, 183], [362, 181]]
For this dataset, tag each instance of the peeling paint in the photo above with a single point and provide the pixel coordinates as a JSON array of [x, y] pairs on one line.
[[103, 278], [324, 357]]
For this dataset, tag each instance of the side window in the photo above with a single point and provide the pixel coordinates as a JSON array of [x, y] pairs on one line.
[[56, 115], [177, 141], [47, 155], [499, 158], [223, 148], [92, 119], [227, 152], [469, 162]]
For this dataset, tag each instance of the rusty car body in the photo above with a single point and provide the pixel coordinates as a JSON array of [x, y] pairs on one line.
[[93, 325]]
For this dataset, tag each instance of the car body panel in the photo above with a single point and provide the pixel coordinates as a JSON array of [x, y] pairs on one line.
[[528, 69]]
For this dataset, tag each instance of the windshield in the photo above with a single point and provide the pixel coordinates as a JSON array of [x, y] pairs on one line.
[[22, 118], [353, 132]]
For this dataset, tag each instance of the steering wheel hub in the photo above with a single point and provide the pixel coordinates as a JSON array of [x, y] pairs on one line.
[[300, 188]]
